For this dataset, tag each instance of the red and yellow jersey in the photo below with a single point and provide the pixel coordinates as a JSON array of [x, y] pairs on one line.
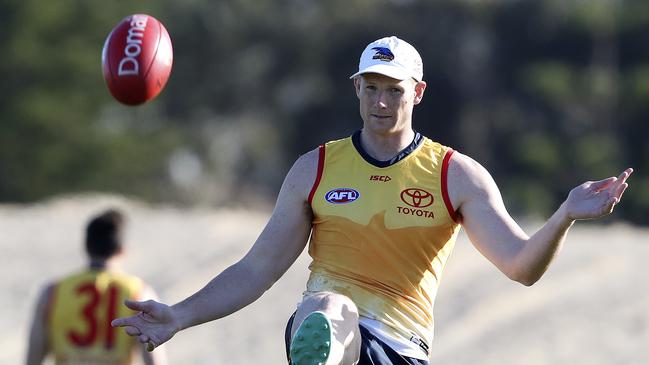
[[80, 311], [383, 231]]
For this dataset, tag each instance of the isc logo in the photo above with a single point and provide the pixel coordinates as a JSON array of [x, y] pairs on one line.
[[342, 195], [384, 178]]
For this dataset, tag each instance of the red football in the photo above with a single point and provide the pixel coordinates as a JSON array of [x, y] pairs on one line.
[[136, 59]]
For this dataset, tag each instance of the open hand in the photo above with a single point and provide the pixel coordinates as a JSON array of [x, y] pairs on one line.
[[153, 325], [594, 199]]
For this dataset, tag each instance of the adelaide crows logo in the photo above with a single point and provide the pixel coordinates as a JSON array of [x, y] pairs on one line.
[[383, 54]]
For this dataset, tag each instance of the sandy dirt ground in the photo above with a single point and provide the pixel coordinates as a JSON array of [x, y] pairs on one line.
[[592, 307]]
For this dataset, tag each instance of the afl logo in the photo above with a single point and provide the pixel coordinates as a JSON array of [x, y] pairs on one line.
[[342, 195], [417, 198]]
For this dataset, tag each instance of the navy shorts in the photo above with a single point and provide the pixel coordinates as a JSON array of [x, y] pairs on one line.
[[373, 350]]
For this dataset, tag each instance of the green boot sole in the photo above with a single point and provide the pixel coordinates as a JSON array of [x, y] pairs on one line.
[[311, 343]]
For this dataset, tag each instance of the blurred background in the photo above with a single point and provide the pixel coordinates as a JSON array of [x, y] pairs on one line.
[[545, 94]]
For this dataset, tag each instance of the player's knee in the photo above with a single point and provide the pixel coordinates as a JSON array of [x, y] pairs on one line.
[[329, 303]]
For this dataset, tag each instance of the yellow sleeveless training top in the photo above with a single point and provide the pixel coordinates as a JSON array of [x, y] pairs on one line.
[[80, 311], [382, 232]]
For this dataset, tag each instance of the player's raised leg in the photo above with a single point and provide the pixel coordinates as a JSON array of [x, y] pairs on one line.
[[325, 331]]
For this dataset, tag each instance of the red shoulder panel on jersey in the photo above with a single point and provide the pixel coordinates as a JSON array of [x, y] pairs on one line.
[[447, 200], [321, 158]]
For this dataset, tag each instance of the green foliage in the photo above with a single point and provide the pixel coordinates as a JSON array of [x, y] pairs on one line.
[[638, 84], [544, 94], [555, 82], [53, 95]]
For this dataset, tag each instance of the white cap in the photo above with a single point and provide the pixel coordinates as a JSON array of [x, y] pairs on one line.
[[392, 57]]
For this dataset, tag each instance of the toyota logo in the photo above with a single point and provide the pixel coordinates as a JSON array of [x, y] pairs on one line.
[[417, 198]]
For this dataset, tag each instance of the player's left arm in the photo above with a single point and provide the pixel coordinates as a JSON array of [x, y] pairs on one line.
[[491, 229], [37, 347]]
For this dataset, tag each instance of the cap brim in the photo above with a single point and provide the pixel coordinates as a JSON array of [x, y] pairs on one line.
[[387, 70]]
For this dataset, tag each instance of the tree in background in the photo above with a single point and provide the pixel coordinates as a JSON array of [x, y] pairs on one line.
[[544, 93]]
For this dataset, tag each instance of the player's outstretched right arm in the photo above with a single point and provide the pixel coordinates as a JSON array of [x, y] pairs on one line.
[[275, 250]]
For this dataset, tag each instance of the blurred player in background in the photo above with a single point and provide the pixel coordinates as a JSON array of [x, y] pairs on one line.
[[382, 209], [73, 315]]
